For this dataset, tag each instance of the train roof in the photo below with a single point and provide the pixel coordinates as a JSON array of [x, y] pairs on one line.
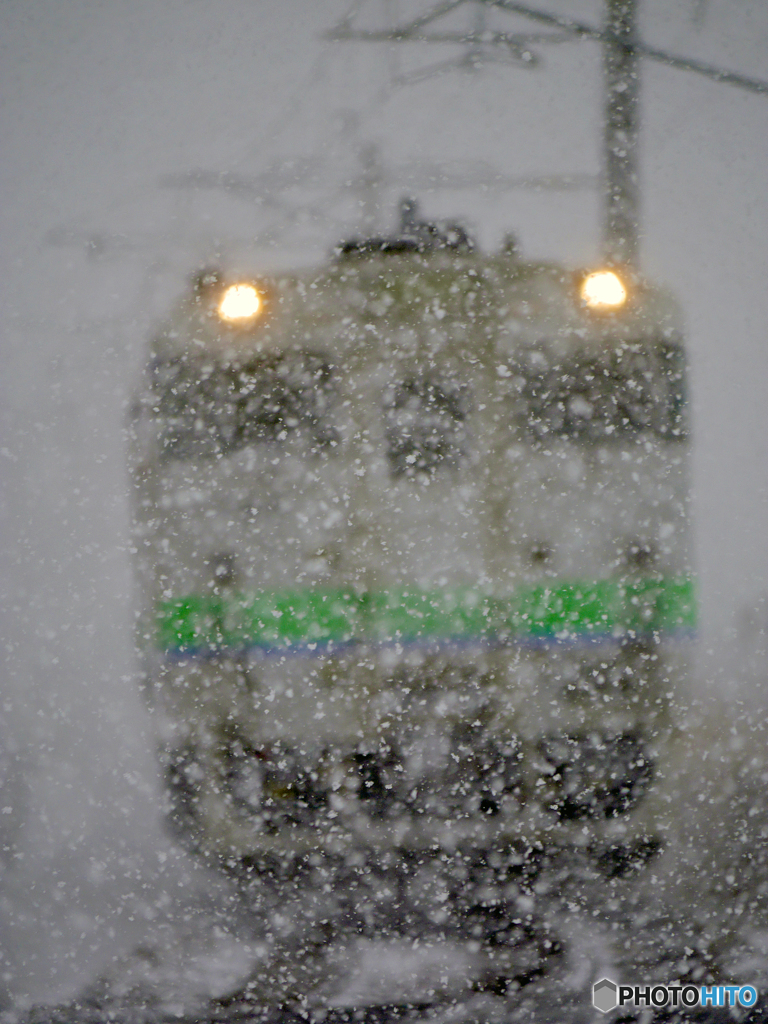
[[361, 294]]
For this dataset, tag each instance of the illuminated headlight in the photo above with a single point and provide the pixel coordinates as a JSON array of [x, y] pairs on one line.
[[603, 290], [239, 303]]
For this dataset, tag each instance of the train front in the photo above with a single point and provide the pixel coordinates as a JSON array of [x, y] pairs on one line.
[[414, 551]]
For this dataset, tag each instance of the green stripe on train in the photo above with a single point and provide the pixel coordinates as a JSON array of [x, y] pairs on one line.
[[289, 618]]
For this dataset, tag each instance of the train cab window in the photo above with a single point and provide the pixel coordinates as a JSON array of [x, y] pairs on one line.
[[628, 390], [274, 399], [193, 402], [208, 409], [425, 426]]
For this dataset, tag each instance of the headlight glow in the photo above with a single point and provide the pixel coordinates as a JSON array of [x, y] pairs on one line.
[[240, 302], [603, 290]]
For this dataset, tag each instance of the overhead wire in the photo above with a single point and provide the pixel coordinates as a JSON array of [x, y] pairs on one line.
[[586, 31], [578, 29]]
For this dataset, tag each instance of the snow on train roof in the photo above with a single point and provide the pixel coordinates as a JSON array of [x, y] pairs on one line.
[[347, 301]]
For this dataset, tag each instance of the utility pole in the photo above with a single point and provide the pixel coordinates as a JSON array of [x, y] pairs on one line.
[[621, 130], [622, 51]]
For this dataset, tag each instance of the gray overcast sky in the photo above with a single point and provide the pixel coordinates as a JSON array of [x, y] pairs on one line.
[[101, 100]]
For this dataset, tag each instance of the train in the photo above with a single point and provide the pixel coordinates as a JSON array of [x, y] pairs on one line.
[[414, 557]]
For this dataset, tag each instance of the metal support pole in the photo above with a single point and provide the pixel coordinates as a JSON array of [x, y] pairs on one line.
[[622, 50], [622, 126]]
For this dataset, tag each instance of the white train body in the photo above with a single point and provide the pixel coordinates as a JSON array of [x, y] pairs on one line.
[[415, 558]]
